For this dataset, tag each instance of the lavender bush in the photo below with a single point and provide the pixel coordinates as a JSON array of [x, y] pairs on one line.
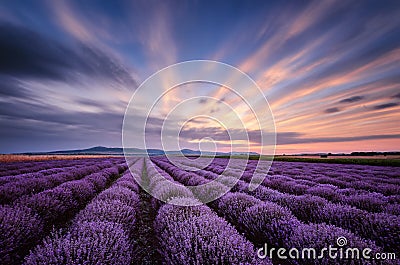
[[88, 243], [20, 228], [195, 235]]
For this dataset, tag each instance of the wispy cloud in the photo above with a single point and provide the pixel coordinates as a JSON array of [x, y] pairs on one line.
[[35, 73], [28, 54], [396, 96], [351, 99], [283, 138], [385, 106], [68, 18], [332, 110]]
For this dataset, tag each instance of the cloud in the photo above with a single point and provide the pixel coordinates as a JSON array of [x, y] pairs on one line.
[[214, 110], [69, 21], [332, 110], [9, 87], [301, 21], [396, 96], [385, 106], [39, 81], [217, 133], [43, 113], [351, 99], [29, 126], [203, 101], [337, 49], [221, 100], [282, 138], [91, 103], [304, 140], [28, 54], [197, 121], [24, 135]]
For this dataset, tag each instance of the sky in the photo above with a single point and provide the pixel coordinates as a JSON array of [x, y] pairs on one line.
[[330, 71]]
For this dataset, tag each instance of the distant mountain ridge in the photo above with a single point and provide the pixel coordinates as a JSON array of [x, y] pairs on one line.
[[101, 150]]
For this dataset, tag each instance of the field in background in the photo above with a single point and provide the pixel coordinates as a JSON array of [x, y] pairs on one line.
[[379, 160], [387, 157], [389, 160]]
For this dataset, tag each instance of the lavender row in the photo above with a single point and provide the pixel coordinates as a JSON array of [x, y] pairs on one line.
[[346, 172], [369, 201], [39, 174], [195, 234], [267, 222], [37, 164], [343, 176], [361, 199], [383, 228], [102, 233], [56, 204], [364, 200], [44, 210], [16, 168], [159, 184], [43, 173], [341, 187], [11, 191]]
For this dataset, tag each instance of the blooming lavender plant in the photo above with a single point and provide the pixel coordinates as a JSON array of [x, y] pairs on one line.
[[195, 235], [87, 243], [20, 229]]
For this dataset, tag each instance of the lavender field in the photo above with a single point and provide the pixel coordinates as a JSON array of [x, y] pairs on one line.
[[95, 211]]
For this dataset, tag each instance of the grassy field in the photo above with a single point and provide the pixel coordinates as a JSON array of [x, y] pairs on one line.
[[393, 161], [366, 160]]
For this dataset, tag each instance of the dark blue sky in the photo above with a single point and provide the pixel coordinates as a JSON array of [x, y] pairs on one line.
[[329, 69]]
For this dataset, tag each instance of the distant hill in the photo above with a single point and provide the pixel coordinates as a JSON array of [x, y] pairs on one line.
[[101, 150]]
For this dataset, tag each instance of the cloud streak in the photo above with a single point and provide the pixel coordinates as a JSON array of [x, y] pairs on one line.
[[330, 70], [351, 99], [332, 110], [27, 54], [283, 138], [385, 106]]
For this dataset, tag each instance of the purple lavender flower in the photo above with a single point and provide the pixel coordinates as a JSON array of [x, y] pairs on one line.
[[195, 235], [87, 243]]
